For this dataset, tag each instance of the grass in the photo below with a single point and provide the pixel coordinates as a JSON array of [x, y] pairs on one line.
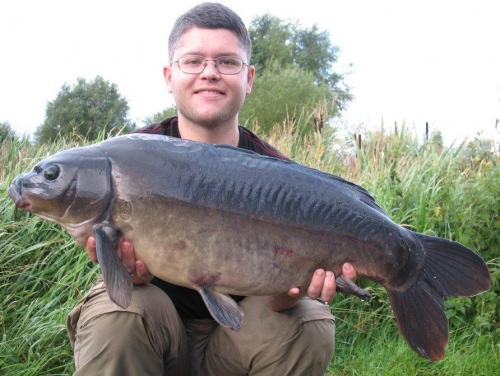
[[449, 192]]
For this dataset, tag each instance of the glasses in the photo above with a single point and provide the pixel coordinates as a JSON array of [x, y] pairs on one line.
[[195, 64]]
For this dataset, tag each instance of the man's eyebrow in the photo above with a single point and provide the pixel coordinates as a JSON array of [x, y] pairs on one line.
[[231, 54]]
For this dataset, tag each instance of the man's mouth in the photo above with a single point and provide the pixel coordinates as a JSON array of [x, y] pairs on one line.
[[209, 92]]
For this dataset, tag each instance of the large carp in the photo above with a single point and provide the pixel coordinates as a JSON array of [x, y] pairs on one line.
[[223, 220]]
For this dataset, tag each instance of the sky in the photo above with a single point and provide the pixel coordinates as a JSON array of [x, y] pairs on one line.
[[406, 62]]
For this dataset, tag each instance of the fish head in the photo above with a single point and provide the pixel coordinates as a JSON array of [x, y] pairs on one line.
[[72, 188]]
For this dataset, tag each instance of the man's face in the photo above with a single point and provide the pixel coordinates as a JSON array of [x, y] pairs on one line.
[[209, 98]]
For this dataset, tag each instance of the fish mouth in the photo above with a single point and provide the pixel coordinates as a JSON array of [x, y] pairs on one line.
[[23, 203], [16, 195]]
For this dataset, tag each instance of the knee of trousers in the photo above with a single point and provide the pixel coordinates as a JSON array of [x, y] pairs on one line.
[[297, 341], [318, 327], [155, 308], [319, 336]]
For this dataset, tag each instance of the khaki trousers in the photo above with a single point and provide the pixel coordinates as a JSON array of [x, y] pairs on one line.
[[149, 338]]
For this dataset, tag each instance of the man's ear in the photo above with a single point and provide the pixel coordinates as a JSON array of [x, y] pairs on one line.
[[167, 75], [250, 78]]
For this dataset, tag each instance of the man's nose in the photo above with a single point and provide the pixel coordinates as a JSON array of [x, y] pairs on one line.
[[210, 68]]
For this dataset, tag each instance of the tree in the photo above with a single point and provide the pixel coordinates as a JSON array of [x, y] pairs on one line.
[[159, 116], [88, 109], [6, 132], [270, 38], [275, 41], [294, 73], [280, 93]]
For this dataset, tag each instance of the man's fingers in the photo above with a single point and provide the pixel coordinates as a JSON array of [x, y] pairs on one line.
[[141, 276], [137, 269], [128, 256], [91, 249], [141, 270], [322, 286], [348, 271], [329, 287], [294, 292], [314, 289]]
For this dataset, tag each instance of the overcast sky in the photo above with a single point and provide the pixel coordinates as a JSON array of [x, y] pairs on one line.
[[435, 61]]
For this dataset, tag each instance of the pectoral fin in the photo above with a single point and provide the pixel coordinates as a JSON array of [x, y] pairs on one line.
[[116, 278], [222, 308]]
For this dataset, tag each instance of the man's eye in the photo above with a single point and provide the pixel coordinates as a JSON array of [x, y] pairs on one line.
[[193, 62], [227, 61]]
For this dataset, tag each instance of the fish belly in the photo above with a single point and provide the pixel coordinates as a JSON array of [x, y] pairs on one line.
[[194, 246]]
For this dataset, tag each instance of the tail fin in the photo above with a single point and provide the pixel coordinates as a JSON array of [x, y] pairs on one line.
[[450, 269]]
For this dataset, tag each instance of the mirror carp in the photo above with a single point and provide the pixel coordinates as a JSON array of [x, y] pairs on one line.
[[223, 220]]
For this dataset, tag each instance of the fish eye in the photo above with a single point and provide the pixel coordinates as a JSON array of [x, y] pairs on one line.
[[52, 172]]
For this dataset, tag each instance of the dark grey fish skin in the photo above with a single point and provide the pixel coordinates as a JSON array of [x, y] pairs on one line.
[[224, 221]]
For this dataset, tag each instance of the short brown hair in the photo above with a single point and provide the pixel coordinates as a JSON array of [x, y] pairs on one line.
[[209, 16]]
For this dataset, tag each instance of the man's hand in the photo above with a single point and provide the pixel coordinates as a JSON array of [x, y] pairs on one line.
[[322, 287], [136, 268]]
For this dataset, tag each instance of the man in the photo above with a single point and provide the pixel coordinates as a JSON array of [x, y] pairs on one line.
[[167, 329]]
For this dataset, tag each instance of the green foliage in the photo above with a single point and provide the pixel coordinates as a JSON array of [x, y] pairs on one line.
[[286, 43], [280, 93], [86, 110], [270, 38], [159, 116], [278, 45], [440, 192], [42, 276], [312, 50], [6, 132], [446, 192]]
